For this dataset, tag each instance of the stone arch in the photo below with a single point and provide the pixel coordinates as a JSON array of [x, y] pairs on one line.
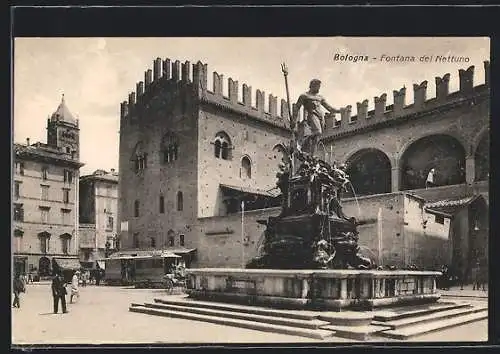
[[223, 146], [365, 146], [369, 171], [44, 266], [443, 152], [482, 157], [170, 238], [246, 167], [278, 152]]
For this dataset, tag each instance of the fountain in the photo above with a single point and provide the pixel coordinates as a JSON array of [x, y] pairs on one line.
[[310, 255]]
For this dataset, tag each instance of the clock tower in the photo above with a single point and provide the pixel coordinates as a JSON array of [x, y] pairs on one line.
[[63, 132]]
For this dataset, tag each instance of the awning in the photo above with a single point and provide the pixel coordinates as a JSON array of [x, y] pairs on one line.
[[180, 250], [169, 255], [101, 264], [247, 190], [68, 263], [132, 254]]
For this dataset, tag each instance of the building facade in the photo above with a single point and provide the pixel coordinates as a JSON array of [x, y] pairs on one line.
[[98, 212], [190, 156], [45, 197]]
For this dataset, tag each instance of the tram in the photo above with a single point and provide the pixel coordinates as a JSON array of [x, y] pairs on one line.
[[142, 271]]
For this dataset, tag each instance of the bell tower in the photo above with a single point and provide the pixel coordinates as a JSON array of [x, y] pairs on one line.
[[63, 132]]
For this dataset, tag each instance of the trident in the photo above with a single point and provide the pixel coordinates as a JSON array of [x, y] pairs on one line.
[[284, 69]]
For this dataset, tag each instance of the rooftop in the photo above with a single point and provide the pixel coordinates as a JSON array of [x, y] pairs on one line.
[[102, 175], [450, 206], [62, 113], [44, 152]]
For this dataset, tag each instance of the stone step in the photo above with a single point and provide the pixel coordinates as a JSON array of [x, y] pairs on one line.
[[361, 333], [414, 331], [292, 322], [431, 317], [257, 310], [347, 318], [406, 312], [265, 327]]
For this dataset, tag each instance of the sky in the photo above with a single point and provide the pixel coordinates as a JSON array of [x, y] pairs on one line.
[[96, 74]]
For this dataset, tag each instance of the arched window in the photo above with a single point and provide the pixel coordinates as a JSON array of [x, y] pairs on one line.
[[139, 158], [162, 204], [171, 238], [65, 243], [169, 147], [180, 201], [152, 242], [279, 152], [44, 241], [246, 168], [223, 146], [181, 240], [136, 209]]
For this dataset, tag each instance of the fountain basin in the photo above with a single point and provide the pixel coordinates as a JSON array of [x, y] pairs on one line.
[[313, 289]]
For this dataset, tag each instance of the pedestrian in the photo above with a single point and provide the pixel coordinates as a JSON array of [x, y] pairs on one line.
[[59, 293], [74, 287], [430, 178], [30, 278], [478, 277], [18, 288], [97, 277], [85, 278], [475, 275]]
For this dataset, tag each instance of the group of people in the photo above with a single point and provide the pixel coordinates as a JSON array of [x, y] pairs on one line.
[[451, 277]]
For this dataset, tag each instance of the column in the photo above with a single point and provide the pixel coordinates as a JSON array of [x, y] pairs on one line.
[[395, 176], [470, 169], [305, 288], [366, 284], [343, 288]]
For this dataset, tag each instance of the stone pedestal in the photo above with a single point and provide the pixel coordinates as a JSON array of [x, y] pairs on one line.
[[318, 289]]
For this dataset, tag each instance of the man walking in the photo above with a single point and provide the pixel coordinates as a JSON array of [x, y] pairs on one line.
[[59, 293], [18, 289]]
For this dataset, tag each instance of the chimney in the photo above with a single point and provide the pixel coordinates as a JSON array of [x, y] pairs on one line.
[[27, 141]]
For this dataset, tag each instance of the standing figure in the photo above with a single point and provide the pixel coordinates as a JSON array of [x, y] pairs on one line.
[[430, 179], [312, 102], [74, 287], [59, 293], [18, 288]]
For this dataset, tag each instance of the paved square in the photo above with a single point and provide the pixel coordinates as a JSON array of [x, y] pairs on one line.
[[101, 316]]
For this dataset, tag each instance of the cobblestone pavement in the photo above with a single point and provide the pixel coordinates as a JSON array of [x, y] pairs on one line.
[[101, 316]]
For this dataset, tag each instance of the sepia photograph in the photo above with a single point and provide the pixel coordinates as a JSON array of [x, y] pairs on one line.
[[222, 190]]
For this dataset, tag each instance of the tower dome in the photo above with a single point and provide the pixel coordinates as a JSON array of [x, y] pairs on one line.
[[62, 113]]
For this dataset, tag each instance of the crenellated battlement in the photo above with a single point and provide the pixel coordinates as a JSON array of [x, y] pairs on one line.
[[171, 75], [381, 112]]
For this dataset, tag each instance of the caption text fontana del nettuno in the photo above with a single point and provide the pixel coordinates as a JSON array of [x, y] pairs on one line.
[[425, 58]]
